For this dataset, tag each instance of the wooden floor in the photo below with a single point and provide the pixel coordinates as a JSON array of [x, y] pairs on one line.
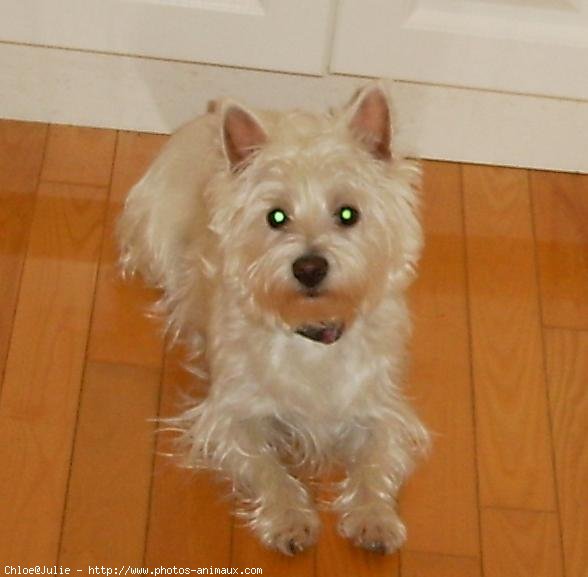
[[499, 372]]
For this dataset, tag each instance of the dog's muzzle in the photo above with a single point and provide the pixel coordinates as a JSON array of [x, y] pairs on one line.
[[327, 333]]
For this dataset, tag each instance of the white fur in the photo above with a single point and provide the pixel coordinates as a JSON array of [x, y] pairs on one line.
[[279, 402]]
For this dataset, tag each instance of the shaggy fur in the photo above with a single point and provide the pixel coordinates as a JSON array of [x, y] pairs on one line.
[[197, 226]]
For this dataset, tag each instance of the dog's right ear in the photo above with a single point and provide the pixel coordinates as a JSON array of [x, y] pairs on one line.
[[369, 118], [242, 135]]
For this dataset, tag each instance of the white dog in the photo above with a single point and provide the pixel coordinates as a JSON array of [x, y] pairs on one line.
[[283, 243]]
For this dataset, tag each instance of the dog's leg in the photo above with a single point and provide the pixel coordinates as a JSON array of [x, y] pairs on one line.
[[378, 462], [278, 507]]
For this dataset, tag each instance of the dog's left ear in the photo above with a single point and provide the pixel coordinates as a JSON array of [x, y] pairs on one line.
[[370, 120], [242, 135]]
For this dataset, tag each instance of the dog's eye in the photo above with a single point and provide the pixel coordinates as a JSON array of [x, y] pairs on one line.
[[277, 218], [347, 215]]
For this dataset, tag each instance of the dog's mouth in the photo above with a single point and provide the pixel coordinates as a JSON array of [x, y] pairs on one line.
[[326, 333]]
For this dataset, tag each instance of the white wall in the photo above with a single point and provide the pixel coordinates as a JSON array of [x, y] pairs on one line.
[[89, 89]]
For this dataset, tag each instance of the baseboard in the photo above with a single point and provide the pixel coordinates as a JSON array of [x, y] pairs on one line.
[[437, 122]]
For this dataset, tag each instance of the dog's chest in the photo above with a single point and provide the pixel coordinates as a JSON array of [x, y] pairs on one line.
[[320, 383]]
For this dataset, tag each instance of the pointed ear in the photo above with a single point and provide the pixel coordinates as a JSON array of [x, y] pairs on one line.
[[370, 120], [242, 135]]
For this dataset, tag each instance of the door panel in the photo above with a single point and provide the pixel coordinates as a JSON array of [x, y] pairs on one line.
[[266, 34], [527, 46]]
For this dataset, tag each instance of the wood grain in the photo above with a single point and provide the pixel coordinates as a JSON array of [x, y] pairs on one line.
[[440, 503], [521, 544], [22, 145], [135, 151], [44, 369], [122, 332], [16, 214], [432, 565], [113, 457], [107, 504], [567, 369], [560, 203], [190, 521], [514, 443], [21, 154], [79, 155]]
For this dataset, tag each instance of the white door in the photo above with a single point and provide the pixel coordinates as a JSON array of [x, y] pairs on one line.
[[286, 35], [527, 46]]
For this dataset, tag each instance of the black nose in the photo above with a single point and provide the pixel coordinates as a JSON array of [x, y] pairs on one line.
[[310, 270]]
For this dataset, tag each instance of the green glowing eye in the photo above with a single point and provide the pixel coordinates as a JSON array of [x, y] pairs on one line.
[[348, 215], [277, 218]]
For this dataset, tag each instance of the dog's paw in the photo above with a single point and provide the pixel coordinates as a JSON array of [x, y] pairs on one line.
[[290, 531], [379, 530]]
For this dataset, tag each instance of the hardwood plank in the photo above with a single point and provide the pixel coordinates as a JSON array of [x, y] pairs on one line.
[[135, 151], [567, 370], [121, 330], [119, 333], [338, 556], [79, 155], [21, 153], [432, 565], [560, 206], [44, 369], [16, 213], [190, 518], [521, 544], [440, 503], [513, 438], [108, 499]]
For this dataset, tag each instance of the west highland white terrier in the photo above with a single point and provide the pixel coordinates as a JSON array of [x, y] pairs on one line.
[[283, 243]]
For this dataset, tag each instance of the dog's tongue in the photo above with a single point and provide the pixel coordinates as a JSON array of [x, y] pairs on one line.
[[325, 333]]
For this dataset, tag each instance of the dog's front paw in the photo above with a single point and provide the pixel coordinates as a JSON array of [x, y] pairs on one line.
[[379, 530], [289, 531]]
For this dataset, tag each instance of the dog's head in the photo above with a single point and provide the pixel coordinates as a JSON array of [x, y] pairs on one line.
[[315, 214]]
